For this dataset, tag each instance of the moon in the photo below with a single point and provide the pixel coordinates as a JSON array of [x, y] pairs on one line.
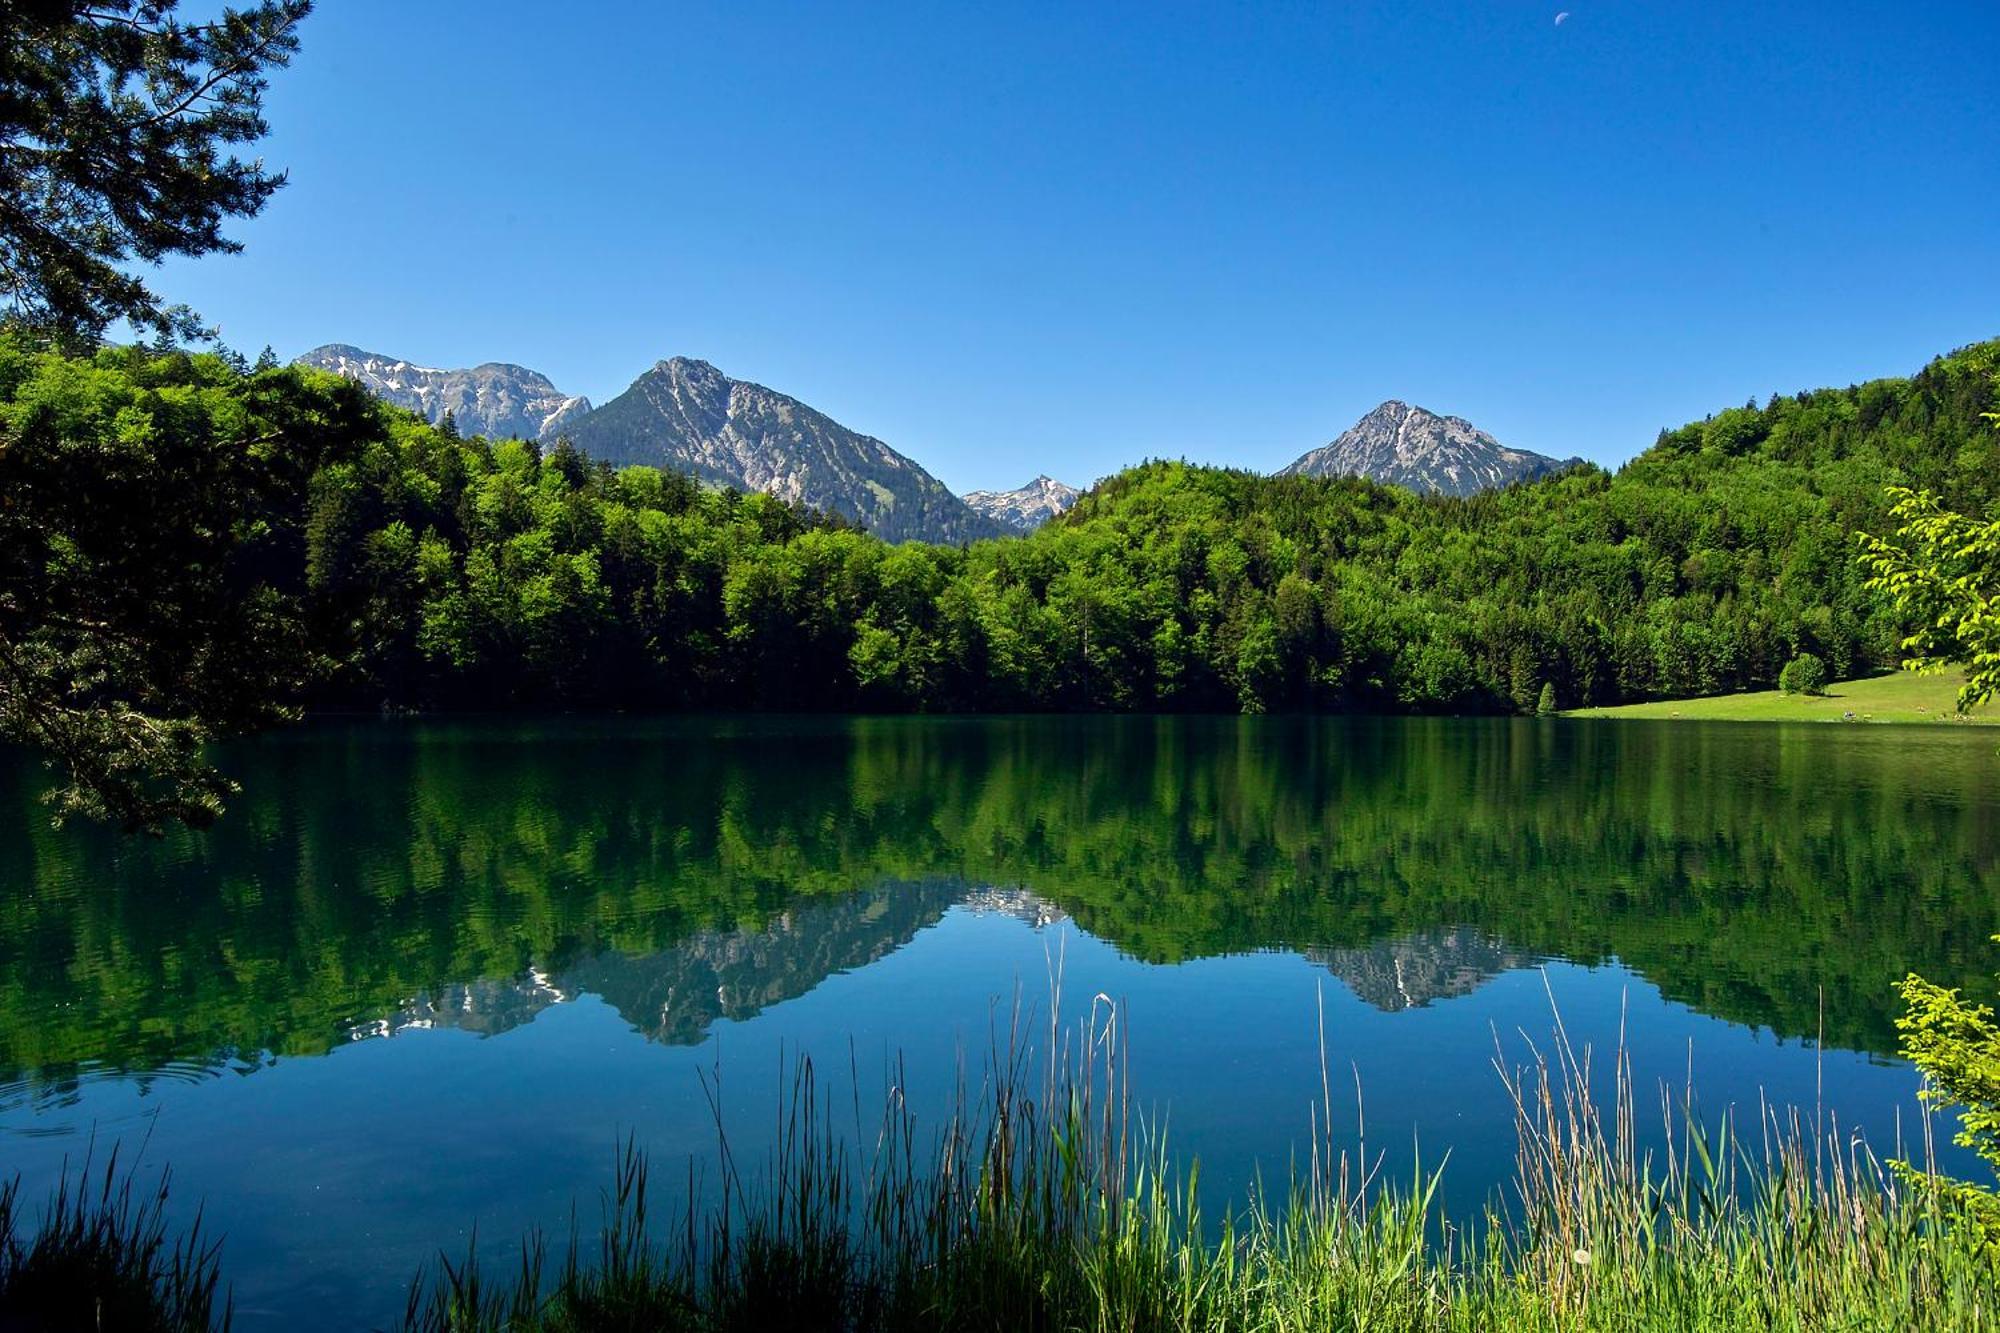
[[1560, 17]]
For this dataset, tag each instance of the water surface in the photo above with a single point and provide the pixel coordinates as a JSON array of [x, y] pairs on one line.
[[426, 973]]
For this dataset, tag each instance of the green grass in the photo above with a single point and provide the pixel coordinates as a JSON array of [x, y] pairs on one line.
[[1044, 1204], [1902, 697], [1060, 1211], [99, 1255]]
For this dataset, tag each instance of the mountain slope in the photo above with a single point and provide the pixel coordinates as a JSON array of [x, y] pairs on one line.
[[1408, 446], [1027, 508], [497, 400], [686, 414]]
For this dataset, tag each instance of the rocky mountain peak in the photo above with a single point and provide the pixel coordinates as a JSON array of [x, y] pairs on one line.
[[498, 399], [1027, 508], [1406, 445], [688, 415], [691, 370]]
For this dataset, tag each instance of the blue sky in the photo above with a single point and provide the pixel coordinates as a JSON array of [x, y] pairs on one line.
[[1012, 240]]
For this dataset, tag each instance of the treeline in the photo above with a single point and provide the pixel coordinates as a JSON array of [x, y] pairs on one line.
[[376, 560]]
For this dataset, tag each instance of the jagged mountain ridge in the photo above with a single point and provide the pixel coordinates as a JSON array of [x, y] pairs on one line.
[[1027, 508], [498, 399], [686, 414], [1405, 445]]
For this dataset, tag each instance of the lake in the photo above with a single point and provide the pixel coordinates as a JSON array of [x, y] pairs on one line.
[[426, 974]]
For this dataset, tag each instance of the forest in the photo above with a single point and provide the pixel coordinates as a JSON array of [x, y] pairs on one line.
[[195, 537]]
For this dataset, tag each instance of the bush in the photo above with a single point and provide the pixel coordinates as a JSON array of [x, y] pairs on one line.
[[1804, 674], [1546, 705], [1956, 1045]]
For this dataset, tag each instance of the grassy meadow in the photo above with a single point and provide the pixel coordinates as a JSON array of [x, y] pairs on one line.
[[1901, 697]]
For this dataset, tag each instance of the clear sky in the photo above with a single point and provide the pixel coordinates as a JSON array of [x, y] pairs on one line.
[[1011, 240]]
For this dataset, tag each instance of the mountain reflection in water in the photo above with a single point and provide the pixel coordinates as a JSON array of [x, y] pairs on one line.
[[381, 876]]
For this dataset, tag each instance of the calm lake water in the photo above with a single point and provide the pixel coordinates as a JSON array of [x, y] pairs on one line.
[[425, 975]]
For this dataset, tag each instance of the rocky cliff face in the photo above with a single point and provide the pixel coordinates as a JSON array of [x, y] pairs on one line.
[[1025, 509], [1408, 446], [688, 415], [497, 400]]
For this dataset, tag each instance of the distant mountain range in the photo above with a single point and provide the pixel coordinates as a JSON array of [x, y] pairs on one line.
[[686, 414], [1025, 509], [1408, 446], [497, 400]]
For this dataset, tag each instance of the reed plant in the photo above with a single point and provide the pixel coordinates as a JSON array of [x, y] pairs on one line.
[[1043, 1202], [100, 1255]]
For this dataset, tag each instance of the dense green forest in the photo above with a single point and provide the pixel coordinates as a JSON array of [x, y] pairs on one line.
[[322, 547]]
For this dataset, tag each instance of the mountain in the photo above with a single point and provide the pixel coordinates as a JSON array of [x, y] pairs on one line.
[[1408, 446], [688, 415], [1026, 509], [497, 400]]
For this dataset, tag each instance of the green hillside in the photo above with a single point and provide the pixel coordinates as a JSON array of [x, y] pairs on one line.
[[323, 548], [1902, 696]]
